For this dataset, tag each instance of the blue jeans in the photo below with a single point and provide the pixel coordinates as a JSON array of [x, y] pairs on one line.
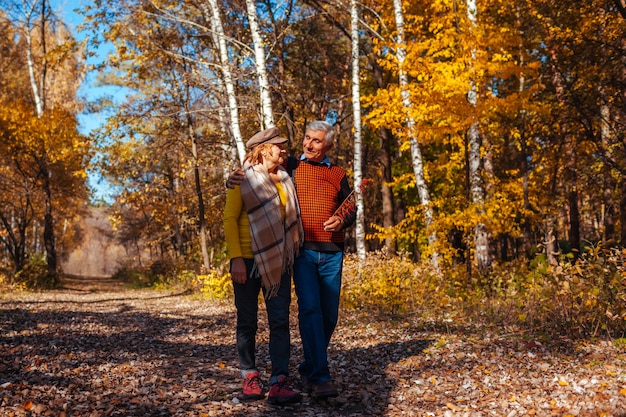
[[317, 278], [277, 307]]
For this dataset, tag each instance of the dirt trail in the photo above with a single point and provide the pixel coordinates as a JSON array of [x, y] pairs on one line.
[[92, 284], [96, 348]]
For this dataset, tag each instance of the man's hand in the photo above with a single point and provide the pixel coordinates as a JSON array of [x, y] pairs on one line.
[[333, 224], [235, 178], [238, 271]]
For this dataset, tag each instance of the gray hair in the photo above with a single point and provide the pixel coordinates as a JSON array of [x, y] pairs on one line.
[[320, 125]]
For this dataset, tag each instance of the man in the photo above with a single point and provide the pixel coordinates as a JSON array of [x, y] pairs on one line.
[[321, 187]]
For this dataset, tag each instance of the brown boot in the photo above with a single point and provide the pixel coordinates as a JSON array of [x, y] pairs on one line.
[[324, 389]]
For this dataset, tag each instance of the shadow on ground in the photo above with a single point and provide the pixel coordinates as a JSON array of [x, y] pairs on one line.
[[143, 354]]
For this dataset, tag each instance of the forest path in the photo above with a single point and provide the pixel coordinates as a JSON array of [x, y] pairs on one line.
[[96, 348], [92, 284]]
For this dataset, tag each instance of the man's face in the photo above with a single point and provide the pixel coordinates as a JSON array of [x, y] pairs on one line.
[[314, 145]]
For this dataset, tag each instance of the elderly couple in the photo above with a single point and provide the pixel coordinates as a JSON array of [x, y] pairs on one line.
[[280, 221]]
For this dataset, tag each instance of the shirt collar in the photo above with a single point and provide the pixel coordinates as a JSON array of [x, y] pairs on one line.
[[325, 161]]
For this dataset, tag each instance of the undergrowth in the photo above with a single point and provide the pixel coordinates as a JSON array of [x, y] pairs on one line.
[[582, 298], [585, 297]]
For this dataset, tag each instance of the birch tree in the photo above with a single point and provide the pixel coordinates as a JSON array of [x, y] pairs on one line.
[[233, 109], [356, 109], [35, 16], [267, 113], [416, 153], [477, 191]]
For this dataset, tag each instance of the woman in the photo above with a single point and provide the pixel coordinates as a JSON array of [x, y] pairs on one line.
[[264, 233]]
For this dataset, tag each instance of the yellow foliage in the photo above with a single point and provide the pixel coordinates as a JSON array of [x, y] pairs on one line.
[[389, 284], [215, 285], [559, 300], [8, 285]]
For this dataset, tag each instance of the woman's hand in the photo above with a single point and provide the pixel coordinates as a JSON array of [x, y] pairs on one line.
[[238, 271]]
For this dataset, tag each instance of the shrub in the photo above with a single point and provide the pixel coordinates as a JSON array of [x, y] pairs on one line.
[[582, 298], [7, 284], [389, 284], [134, 276], [215, 285], [34, 275], [162, 273], [578, 299]]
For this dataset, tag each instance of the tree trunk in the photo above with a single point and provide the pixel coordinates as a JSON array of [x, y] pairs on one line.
[[201, 210], [38, 87], [608, 215], [386, 192], [622, 210], [233, 109], [477, 192], [52, 278], [552, 248], [385, 138], [571, 179], [526, 228], [574, 221], [608, 210], [14, 239], [570, 175], [416, 154], [267, 113], [356, 109]]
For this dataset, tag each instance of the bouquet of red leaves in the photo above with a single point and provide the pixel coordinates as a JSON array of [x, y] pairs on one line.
[[348, 205]]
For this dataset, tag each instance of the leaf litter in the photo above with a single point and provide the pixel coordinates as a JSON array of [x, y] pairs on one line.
[[97, 349]]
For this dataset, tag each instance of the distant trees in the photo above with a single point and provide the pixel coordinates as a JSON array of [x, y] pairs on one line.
[[518, 111], [44, 158], [491, 132], [220, 60], [498, 173]]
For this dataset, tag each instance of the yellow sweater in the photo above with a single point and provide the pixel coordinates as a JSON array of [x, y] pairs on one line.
[[237, 225]]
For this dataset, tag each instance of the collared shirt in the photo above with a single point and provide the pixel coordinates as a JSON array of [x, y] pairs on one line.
[[325, 161]]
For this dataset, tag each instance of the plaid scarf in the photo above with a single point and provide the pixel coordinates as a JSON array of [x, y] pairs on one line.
[[275, 242]]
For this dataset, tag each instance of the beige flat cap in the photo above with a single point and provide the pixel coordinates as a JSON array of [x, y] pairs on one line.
[[271, 135]]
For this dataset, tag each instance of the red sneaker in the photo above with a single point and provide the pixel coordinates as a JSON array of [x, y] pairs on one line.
[[252, 387], [281, 393]]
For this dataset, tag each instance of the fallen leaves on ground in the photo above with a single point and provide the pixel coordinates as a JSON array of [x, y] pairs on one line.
[[97, 349]]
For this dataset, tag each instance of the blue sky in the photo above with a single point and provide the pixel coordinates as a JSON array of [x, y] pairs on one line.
[[65, 9], [89, 90]]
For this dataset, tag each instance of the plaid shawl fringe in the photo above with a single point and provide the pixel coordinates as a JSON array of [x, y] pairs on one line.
[[275, 243]]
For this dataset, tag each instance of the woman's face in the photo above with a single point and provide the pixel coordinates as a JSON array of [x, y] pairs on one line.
[[274, 156]]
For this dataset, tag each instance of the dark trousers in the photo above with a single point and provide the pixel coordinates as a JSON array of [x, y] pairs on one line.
[[277, 307]]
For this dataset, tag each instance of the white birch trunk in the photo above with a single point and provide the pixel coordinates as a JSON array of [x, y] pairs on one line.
[[29, 12], [267, 113], [477, 192], [356, 108], [416, 153], [228, 147], [233, 108]]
